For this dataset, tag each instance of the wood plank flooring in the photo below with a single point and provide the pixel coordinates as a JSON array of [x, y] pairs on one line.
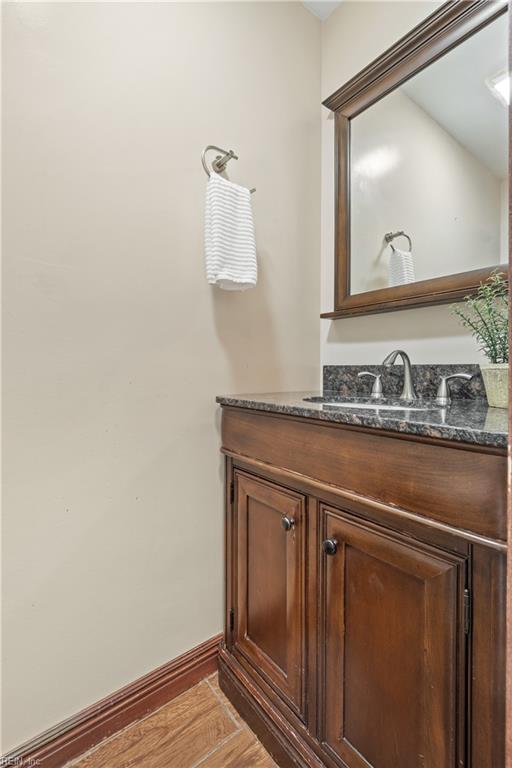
[[199, 729]]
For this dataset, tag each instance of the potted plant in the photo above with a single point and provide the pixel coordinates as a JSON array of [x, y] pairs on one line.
[[486, 316]]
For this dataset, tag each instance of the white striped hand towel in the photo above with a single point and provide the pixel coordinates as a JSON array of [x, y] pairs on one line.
[[229, 236], [401, 268]]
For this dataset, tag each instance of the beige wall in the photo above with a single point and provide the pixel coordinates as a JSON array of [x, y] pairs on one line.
[[355, 34], [114, 345]]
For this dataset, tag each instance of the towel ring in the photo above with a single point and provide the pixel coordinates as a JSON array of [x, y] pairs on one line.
[[220, 162], [390, 236]]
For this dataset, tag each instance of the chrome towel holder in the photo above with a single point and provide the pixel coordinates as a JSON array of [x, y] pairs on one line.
[[390, 236], [220, 162]]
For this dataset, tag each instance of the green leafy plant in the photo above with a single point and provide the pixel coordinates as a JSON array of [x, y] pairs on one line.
[[486, 316]]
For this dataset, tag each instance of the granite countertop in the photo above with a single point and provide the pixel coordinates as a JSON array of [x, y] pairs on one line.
[[465, 420]]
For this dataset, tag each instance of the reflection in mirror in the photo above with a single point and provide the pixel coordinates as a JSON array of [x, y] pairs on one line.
[[430, 159]]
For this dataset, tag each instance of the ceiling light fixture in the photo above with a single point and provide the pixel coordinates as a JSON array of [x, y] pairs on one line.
[[499, 86]]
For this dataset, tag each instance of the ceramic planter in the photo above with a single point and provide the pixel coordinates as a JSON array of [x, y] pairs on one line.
[[495, 376]]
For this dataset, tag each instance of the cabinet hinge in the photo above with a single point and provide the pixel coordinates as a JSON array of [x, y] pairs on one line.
[[232, 493], [467, 611], [231, 620]]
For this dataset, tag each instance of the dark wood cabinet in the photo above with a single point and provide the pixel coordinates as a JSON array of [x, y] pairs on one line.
[[394, 648], [269, 630], [362, 631]]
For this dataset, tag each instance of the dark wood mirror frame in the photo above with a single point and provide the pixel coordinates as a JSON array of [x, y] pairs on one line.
[[452, 23]]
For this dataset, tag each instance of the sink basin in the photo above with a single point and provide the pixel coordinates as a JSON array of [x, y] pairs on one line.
[[379, 407], [371, 405]]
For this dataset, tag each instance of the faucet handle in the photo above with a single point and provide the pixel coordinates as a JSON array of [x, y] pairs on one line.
[[376, 393], [443, 390]]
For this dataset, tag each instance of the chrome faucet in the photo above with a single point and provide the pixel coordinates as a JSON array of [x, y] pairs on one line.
[[408, 392]]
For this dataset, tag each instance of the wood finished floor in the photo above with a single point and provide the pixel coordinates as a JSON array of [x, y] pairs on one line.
[[199, 729]]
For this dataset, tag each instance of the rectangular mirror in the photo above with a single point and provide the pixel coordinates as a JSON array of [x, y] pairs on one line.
[[422, 165]]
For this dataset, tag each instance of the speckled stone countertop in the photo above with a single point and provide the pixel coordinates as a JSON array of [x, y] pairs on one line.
[[465, 420]]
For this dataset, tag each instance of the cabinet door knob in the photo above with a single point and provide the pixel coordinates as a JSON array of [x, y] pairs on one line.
[[330, 546], [287, 523]]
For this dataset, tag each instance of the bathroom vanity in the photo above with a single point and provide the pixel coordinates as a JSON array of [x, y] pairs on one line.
[[366, 546], [365, 581]]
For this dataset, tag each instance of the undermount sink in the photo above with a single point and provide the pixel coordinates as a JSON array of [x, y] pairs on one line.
[[380, 407], [370, 405]]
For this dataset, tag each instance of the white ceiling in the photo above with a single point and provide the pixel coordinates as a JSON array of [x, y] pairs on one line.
[[321, 9], [453, 91]]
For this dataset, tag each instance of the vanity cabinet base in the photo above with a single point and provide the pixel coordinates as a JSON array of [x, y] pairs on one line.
[[361, 633], [288, 746]]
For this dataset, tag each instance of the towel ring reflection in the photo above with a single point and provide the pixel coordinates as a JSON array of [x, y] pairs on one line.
[[220, 162], [390, 236]]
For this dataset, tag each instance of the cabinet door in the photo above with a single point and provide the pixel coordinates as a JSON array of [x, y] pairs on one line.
[[270, 585], [394, 651]]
